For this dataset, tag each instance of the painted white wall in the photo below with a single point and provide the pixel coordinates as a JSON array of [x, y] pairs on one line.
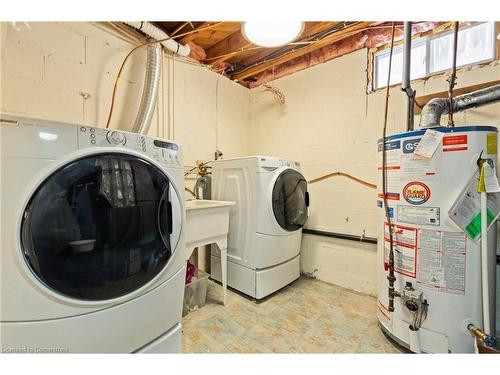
[[47, 69], [329, 123]]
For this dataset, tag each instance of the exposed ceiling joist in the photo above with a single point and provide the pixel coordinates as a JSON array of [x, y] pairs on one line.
[[223, 46], [311, 28], [234, 42], [211, 34], [338, 35]]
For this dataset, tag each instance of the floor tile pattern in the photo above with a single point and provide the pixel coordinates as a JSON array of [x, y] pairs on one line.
[[308, 316]]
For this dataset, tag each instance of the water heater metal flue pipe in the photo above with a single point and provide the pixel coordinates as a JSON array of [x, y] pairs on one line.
[[406, 82], [435, 108], [150, 90]]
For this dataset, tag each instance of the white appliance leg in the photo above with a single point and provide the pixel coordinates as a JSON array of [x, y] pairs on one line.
[[222, 245], [223, 261]]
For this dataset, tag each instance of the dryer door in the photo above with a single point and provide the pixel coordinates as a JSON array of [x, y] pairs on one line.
[[290, 200], [101, 227]]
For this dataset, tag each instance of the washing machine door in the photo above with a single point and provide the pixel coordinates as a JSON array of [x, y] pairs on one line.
[[101, 227], [290, 200]]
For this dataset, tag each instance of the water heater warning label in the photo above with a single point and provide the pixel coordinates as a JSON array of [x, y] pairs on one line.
[[455, 143], [419, 215], [441, 260], [404, 241]]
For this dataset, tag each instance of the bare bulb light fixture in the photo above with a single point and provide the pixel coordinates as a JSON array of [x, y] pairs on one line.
[[272, 33]]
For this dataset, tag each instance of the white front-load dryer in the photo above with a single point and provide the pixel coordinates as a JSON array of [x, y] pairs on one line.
[[92, 227], [265, 228]]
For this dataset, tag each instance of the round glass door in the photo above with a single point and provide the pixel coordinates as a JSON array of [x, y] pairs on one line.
[[100, 227], [290, 200]]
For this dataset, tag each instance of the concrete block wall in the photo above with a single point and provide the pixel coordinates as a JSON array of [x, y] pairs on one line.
[[329, 123], [48, 69], [65, 71]]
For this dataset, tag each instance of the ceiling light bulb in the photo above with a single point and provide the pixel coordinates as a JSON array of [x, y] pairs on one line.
[[272, 33]]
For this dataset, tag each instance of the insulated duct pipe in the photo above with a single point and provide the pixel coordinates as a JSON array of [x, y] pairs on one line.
[[150, 90], [435, 108], [406, 84], [156, 33]]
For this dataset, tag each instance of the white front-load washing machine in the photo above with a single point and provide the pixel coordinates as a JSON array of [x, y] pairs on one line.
[[92, 239], [265, 228]]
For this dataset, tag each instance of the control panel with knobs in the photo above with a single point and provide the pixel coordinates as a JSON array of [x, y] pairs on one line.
[[116, 137], [164, 152]]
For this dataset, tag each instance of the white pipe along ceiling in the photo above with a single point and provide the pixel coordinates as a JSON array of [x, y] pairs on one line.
[[156, 33]]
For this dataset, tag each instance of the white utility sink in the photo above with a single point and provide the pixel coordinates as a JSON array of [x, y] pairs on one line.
[[198, 204], [207, 222]]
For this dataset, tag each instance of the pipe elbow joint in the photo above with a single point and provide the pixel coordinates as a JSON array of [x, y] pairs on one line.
[[432, 112]]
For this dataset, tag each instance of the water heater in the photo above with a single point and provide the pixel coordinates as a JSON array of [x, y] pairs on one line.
[[436, 263]]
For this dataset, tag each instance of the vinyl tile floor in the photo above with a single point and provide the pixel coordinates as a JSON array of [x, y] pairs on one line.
[[307, 316]]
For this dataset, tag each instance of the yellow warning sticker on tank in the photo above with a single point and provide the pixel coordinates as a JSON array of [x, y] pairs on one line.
[[491, 143]]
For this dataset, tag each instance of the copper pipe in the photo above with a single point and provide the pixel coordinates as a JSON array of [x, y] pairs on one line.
[[391, 277], [481, 335], [190, 191], [358, 180]]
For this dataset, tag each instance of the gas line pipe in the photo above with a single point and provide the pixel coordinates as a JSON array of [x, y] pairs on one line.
[[481, 336]]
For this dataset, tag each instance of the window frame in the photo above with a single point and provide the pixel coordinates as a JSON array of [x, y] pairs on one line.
[[426, 39]]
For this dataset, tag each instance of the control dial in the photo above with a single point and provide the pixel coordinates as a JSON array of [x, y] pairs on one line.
[[116, 138]]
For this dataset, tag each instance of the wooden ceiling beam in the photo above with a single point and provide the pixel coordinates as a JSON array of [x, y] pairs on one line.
[[234, 42], [237, 42], [190, 37], [310, 29], [338, 35]]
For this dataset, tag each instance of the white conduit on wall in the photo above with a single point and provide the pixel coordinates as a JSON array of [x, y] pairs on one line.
[[156, 33]]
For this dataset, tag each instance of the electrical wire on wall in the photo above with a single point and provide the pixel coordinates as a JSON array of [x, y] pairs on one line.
[[120, 71], [278, 95], [391, 292], [217, 112]]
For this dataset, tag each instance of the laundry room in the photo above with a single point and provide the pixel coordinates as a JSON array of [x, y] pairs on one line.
[[189, 181]]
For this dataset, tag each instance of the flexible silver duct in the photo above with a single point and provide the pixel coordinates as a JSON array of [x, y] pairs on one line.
[[435, 108], [150, 90]]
